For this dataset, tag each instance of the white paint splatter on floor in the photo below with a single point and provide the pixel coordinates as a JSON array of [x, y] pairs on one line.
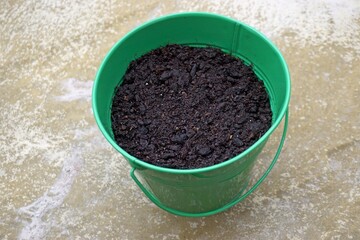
[[36, 217], [38, 213], [75, 90]]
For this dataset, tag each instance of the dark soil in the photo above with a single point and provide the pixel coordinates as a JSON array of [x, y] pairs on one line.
[[184, 107]]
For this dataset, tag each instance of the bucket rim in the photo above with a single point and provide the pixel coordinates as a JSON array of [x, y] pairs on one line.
[[142, 164]]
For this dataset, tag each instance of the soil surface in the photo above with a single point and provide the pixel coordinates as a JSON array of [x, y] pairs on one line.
[[185, 107]]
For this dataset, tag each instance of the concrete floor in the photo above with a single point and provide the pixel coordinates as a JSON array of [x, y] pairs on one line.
[[60, 179]]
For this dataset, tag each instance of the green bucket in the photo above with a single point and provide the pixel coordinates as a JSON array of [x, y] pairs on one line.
[[209, 190]]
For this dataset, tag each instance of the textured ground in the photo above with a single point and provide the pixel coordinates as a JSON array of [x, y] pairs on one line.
[[60, 179]]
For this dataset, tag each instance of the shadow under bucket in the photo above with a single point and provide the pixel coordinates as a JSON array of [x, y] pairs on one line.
[[209, 190]]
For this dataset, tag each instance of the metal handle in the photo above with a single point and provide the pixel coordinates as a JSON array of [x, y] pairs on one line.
[[235, 201]]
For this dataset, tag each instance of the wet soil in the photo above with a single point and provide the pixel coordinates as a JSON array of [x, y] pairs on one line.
[[184, 107]]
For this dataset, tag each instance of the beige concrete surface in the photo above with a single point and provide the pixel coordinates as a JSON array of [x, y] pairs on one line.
[[60, 179]]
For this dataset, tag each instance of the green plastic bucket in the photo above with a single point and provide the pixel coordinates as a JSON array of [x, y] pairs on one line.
[[209, 190]]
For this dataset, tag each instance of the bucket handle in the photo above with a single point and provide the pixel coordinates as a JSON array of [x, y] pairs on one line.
[[235, 201]]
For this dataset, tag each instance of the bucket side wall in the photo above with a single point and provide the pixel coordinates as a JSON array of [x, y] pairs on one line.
[[197, 193]]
